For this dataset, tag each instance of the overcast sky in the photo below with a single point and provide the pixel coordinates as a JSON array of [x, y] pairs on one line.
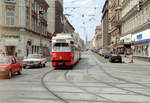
[[85, 15]]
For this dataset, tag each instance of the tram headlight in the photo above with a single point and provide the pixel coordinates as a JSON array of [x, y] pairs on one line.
[[54, 55], [60, 58]]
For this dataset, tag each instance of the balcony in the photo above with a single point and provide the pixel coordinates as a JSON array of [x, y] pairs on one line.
[[118, 8], [116, 23]]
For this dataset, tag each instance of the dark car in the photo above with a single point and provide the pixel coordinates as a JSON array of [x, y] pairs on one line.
[[107, 54], [97, 50], [115, 58]]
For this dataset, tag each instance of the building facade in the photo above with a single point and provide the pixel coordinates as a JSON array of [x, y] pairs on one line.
[[23, 27], [136, 22], [105, 25], [114, 23], [55, 16], [68, 28], [98, 37]]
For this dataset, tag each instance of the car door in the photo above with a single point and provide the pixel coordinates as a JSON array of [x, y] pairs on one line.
[[14, 65], [17, 64]]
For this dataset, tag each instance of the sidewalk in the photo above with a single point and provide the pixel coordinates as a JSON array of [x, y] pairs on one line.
[[127, 60]]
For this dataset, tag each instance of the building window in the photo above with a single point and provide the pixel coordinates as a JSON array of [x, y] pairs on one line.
[[10, 18], [10, 0], [27, 2]]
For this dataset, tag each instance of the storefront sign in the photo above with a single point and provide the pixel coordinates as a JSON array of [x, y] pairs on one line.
[[11, 36], [139, 36], [11, 41]]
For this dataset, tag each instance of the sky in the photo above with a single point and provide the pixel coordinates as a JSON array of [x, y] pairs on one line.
[[84, 15]]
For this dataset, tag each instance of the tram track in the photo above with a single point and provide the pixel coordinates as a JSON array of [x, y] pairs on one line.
[[86, 91], [120, 79], [50, 91]]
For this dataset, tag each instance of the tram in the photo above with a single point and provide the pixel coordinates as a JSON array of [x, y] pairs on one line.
[[65, 51]]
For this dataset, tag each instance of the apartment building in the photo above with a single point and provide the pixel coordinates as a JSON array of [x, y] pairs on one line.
[[136, 26], [55, 16], [23, 27], [114, 23], [105, 25]]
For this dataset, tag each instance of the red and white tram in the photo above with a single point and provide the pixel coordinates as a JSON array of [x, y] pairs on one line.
[[65, 51]]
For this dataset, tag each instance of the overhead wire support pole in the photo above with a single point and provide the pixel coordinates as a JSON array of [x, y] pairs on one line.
[[41, 46]]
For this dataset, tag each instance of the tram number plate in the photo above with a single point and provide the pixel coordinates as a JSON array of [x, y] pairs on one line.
[[60, 64]]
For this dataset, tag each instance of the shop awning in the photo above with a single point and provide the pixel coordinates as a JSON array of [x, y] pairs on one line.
[[127, 39]]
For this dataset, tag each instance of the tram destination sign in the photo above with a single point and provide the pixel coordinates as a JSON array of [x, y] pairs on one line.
[[61, 40]]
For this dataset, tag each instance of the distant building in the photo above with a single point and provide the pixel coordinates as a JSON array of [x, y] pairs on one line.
[[98, 37], [79, 40]]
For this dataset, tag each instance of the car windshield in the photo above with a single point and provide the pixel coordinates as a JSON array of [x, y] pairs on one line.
[[114, 55], [108, 53], [5, 60], [34, 57]]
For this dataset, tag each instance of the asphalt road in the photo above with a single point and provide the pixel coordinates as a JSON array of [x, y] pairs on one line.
[[92, 80]]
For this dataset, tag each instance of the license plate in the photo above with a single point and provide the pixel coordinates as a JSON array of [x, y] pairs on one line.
[[60, 64], [117, 60]]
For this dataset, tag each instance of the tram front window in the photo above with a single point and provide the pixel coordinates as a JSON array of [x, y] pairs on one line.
[[61, 47]]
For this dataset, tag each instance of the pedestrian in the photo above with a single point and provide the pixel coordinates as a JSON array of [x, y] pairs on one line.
[[131, 56]]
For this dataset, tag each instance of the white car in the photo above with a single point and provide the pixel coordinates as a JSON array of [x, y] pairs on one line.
[[34, 60]]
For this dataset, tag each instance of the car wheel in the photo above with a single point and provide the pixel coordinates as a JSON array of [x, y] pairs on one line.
[[20, 71], [40, 65], [120, 61], [9, 74], [24, 67], [44, 65]]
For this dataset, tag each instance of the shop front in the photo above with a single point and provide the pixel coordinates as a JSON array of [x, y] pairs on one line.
[[124, 46], [141, 47]]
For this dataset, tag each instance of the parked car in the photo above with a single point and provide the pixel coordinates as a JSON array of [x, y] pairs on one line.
[[107, 54], [34, 60], [97, 50], [115, 58], [9, 65]]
